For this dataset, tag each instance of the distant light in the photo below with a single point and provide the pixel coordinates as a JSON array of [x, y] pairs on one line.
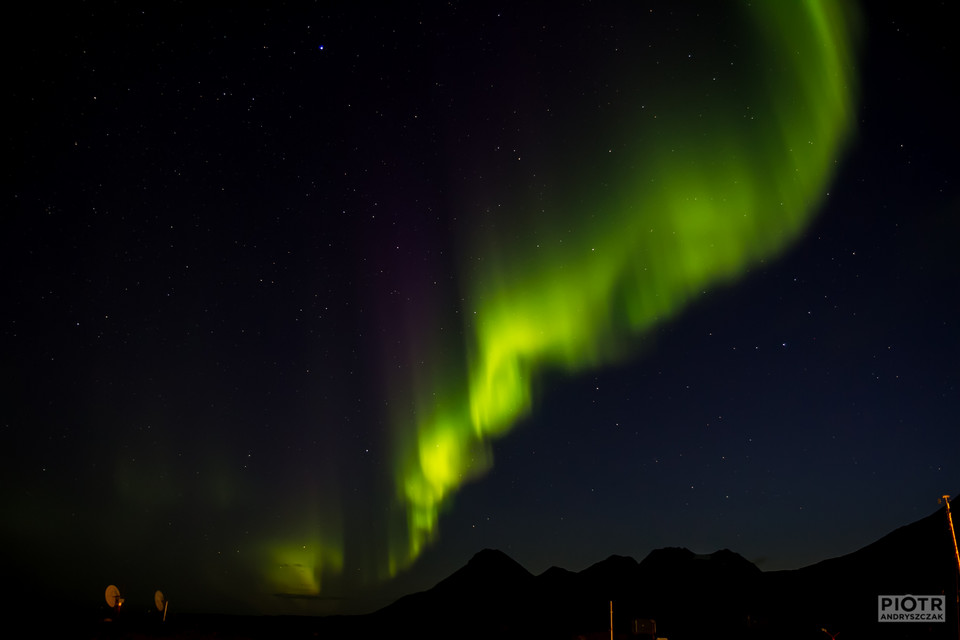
[[320, 47]]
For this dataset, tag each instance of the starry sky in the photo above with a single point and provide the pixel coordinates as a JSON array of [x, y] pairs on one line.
[[304, 305]]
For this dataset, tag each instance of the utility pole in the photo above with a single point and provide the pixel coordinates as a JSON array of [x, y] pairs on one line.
[[956, 555], [611, 620], [953, 535]]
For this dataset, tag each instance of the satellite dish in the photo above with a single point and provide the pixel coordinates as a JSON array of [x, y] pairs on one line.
[[161, 601], [112, 595]]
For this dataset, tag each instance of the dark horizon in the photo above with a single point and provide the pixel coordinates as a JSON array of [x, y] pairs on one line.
[[681, 593], [136, 604]]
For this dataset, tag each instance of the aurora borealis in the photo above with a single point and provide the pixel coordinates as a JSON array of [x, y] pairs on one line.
[[306, 305], [697, 196]]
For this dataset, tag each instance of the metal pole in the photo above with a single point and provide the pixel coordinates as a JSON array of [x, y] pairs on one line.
[[953, 535], [611, 620], [956, 555]]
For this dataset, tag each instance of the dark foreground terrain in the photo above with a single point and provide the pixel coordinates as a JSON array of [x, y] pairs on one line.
[[720, 595]]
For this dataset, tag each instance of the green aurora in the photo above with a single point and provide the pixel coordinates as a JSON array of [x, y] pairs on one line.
[[682, 186], [706, 195]]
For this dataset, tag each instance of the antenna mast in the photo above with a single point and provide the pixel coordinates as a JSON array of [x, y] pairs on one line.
[[953, 535], [956, 555]]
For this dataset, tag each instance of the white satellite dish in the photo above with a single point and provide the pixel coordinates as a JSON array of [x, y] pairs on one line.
[[161, 601], [112, 596]]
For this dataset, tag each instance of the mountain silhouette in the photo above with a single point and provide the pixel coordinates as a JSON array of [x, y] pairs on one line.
[[717, 595]]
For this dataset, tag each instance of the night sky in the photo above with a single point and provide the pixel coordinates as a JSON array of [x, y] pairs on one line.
[[304, 305]]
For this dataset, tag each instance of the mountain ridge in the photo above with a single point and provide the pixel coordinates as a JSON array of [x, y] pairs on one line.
[[691, 595]]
